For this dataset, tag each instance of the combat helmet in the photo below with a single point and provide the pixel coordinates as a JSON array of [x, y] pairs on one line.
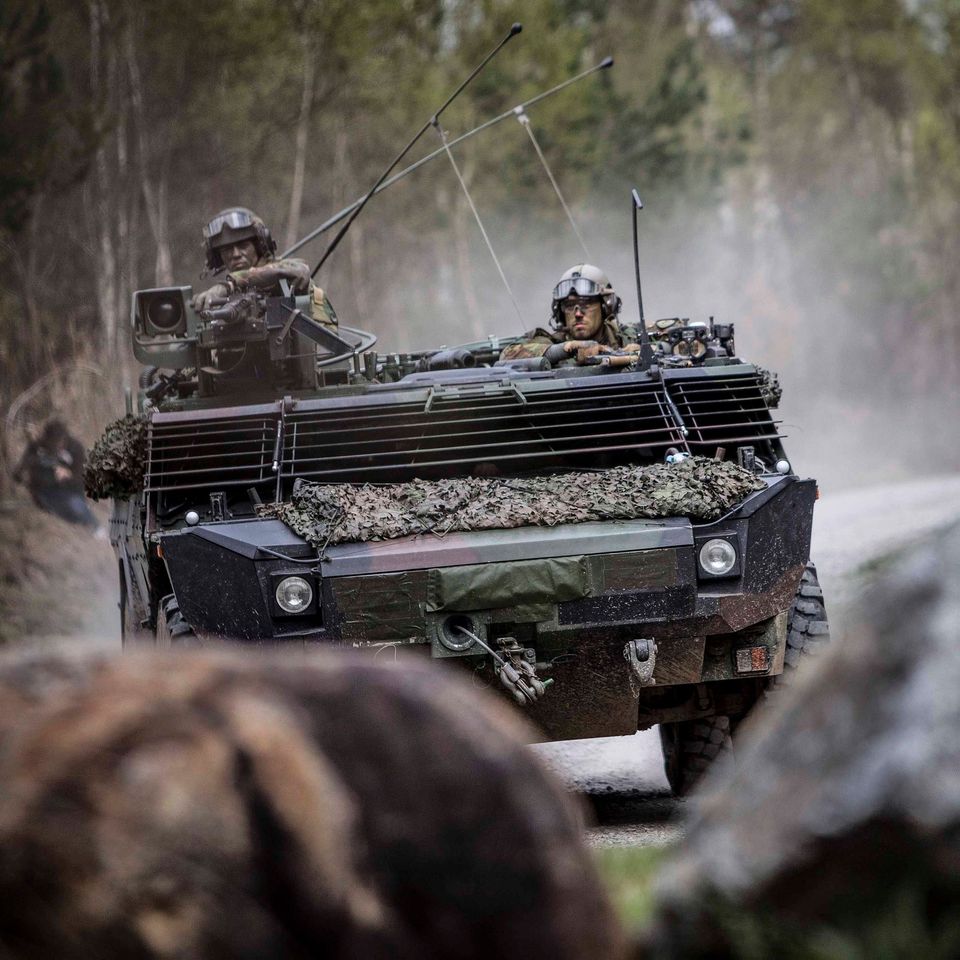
[[230, 226], [585, 280]]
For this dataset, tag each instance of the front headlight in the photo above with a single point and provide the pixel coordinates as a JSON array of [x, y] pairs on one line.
[[294, 594], [718, 557]]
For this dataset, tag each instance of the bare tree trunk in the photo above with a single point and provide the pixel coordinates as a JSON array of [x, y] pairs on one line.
[[154, 197], [300, 147], [100, 210]]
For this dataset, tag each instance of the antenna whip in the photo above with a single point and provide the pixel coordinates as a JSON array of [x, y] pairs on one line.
[[521, 115], [476, 215], [514, 30], [346, 211]]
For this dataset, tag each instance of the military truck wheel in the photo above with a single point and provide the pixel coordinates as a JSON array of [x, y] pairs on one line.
[[172, 629], [690, 747], [808, 630]]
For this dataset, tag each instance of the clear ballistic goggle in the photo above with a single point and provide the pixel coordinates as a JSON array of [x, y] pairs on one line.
[[235, 219], [582, 286]]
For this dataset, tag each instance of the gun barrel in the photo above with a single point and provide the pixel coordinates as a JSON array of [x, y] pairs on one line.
[[448, 360]]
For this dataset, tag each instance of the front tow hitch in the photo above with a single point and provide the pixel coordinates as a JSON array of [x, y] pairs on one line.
[[516, 673], [642, 657]]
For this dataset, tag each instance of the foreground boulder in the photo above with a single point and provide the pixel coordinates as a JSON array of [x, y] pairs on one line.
[[838, 834], [221, 805]]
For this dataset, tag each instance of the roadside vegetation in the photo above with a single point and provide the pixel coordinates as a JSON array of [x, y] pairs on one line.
[[629, 873]]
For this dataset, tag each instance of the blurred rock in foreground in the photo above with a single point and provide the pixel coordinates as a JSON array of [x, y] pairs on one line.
[[221, 805], [838, 833]]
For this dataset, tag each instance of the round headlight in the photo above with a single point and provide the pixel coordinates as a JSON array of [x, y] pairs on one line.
[[718, 557], [294, 594]]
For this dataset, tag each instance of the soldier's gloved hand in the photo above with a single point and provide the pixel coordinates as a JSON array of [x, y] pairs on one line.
[[589, 348], [203, 301]]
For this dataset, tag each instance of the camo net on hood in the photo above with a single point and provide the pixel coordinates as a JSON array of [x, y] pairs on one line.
[[770, 388], [118, 460], [328, 514]]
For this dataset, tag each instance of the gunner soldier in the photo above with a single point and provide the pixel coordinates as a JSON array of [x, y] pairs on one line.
[[584, 312]]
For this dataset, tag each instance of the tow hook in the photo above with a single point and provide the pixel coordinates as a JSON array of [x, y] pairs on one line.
[[642, 657], [516, 673]]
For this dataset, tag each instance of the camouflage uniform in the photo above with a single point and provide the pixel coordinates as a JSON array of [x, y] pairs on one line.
[[267, 273], [535, 343], [265, 277]]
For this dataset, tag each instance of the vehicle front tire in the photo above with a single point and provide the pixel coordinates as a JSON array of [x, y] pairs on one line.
[[808, 629], [690, 747]]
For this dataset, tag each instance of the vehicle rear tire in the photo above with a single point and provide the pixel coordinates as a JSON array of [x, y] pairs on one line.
[[690, 747], [172, 629]]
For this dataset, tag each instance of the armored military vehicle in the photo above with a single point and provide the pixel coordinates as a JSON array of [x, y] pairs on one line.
[[598, 628], [613, 545]]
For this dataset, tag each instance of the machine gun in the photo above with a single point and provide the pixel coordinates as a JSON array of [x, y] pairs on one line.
[[242, 344]]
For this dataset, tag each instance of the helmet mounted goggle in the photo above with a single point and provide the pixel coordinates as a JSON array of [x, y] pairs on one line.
[[580, 286], [234, 219]]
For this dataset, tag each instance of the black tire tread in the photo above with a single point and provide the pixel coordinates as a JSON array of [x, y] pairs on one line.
[[690, 747], [172, 629], [808, 629]]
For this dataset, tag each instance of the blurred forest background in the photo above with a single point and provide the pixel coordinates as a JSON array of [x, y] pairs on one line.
[[799, 161]]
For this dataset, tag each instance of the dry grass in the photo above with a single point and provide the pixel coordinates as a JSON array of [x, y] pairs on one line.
[[56, 580]]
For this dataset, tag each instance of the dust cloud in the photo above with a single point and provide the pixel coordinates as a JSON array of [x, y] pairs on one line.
[[855, 410]]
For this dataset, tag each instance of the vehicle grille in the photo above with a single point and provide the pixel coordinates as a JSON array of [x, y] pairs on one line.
[[720, 411], [224, 452], [507, 429], [571, 424]]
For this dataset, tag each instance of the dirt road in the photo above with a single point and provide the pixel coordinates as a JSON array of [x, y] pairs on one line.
[[623, 776]]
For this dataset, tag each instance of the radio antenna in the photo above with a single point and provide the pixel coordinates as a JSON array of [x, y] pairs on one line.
[[514, 30], [646, 350], [521, 115], [389, 182], [476, 216]]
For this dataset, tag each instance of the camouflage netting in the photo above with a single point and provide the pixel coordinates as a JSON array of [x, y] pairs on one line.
[[328, 514], [118, 459], [770, 388]]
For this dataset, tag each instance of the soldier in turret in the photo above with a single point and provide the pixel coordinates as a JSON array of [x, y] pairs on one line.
[[237, 240], [584, 311]]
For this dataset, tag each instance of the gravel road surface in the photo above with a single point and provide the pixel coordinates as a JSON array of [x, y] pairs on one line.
[[623, 776]]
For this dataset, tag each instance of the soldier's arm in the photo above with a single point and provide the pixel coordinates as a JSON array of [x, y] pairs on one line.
[[525, 349], [269, 274], [77, 457], [535, 343]]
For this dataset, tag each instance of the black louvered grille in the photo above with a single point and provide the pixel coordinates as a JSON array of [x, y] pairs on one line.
[[210, 453], [451, 433], [460, 432], [722, 410]]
